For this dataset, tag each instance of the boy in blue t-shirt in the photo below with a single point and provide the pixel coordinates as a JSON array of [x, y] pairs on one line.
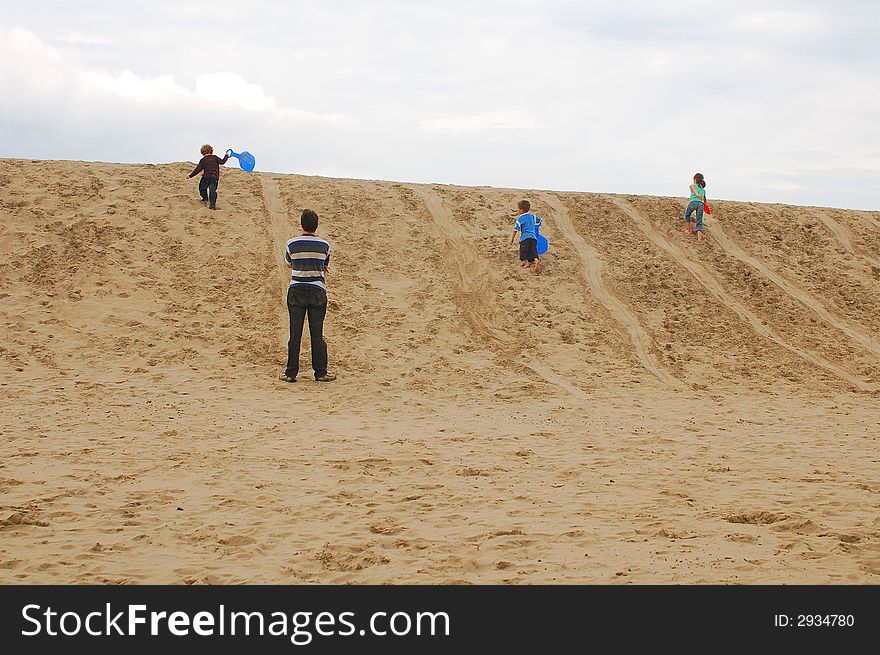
[[527, 225]]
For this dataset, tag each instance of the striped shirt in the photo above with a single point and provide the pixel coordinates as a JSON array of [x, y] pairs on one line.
[[308, 256]]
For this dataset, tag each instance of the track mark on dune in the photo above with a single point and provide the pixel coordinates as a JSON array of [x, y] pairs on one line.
[[708, 282], [279, 220], [279, 233], [839, 231], [801, 296], [591, 270], [869, 218], [473, 273]]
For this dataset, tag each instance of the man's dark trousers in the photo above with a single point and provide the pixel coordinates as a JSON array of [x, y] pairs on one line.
[[305, 300]]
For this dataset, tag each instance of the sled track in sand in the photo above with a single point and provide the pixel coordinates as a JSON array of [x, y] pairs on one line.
[[870, 218], [842, 234], [279, 219], [708, 282], [472, 274], [839, 231], [591, 270], [732, 249], [280, 232]]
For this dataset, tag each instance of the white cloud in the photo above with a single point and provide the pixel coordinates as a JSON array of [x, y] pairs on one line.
[[781, 186], [493, 120], [232, 89], [24, 56], [229, 88], [78, 38], [29, 64], [783, 23], [129, 85]]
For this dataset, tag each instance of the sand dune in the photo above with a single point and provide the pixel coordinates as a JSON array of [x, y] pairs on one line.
[[648, 409]]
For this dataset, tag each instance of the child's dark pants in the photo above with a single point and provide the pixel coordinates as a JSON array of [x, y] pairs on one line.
[[528, 250], [208, 190]]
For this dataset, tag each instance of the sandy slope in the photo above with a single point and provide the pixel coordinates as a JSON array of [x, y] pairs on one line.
[[646, 410]]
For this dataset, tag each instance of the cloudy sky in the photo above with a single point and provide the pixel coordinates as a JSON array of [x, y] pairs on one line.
[[775, 102]]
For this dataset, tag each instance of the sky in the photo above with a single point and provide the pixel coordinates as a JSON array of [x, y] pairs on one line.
[[772, 102]]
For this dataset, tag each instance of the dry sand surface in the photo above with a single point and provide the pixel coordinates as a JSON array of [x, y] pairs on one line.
[[647, 410]]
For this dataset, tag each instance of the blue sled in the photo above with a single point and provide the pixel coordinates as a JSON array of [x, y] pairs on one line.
[[543, 244], [245, 160]]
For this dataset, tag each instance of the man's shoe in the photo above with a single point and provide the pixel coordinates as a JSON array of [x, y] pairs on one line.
[[327, 377], [286, 378]]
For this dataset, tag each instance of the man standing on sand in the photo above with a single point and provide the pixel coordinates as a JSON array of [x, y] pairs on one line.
[[308, 257]]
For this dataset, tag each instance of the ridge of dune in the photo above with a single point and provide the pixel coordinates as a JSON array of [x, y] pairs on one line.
[[647, 409]]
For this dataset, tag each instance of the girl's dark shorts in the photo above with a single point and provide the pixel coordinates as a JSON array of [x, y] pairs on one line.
[[528, 250]]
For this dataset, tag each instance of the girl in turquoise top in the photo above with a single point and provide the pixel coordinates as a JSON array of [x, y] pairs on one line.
[[698, 199]]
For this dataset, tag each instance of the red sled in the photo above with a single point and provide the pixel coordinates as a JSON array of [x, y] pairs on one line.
[[707, 209]]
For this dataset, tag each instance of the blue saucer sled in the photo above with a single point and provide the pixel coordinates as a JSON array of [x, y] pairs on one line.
[[245, 160], [543, 245]]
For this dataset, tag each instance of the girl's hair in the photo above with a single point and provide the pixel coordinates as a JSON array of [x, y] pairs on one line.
[[698, 178], [207, 149]]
